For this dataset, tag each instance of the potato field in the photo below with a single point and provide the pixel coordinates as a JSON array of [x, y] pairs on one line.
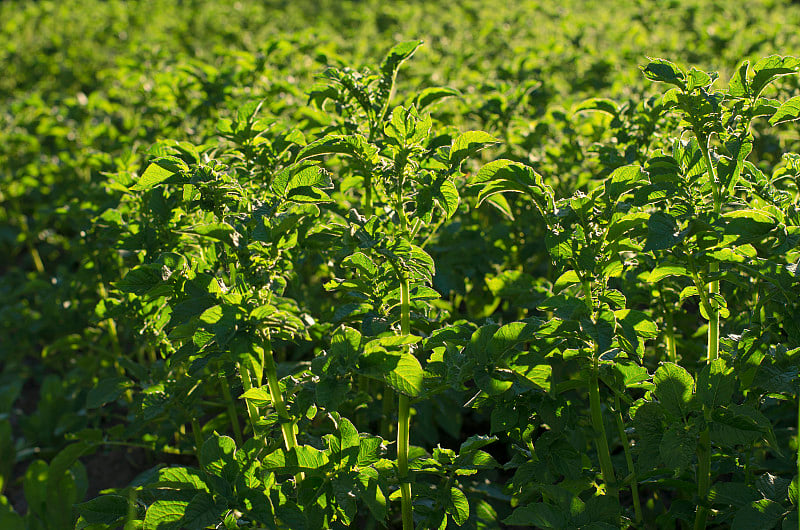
[[399, 265]]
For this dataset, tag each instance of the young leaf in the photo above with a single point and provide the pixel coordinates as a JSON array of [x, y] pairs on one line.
[[399, 53], [666, 72], [788, 111], [467, 144], [158, 171], [458, 506], [597, 104], [433, 94], [769, 68], [503, 176], [738, 85]]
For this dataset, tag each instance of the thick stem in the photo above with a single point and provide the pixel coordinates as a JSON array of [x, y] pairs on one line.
[[403, 426], [247, 384], [603, 453], [271, 371], [703, 477], [712, 308], [637, 506], [713, 316], [404, 416]]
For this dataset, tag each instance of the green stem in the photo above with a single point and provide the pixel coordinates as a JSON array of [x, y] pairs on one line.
[[669, 338], [231, 407], [637, 506], [603, 453], [404, 416], [712, 309], [271, 371], [368, 195], [247, 384], [703, 477], [403, 426]]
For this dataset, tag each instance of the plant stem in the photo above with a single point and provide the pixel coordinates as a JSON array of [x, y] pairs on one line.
[[712, 309], [247, 384], [368, 195], [231, 406], [637, 506], [404, 416], [287, 427], [669, 339], [603, 453]]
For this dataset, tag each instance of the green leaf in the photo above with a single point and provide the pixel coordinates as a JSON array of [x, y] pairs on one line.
[[106, 509], [164, 515], [623, 180], [667, 270], [306, 458], [637, 321], [678, 446], [662, 232], [433, 94], [770, 68], [510, 335], [202, 511], [458, 506], [220, 231], [537, 515], [399, 53], [597, 104], [447, 198], [406, 377], [158, 171], [181, 478], [716, 383], [353, 145], [217, 457], [370, 491], [502, 176], [259, 397], [788, 111], [141, 279], [107, 390], [748, 225], [738, 85], [665, 72], [475, 442], [673, 388], [762, 514], [732, 493], [468, 144]]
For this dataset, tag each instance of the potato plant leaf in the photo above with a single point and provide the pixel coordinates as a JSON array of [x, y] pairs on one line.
[[467, 144], [788, 111], [673, 388]]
